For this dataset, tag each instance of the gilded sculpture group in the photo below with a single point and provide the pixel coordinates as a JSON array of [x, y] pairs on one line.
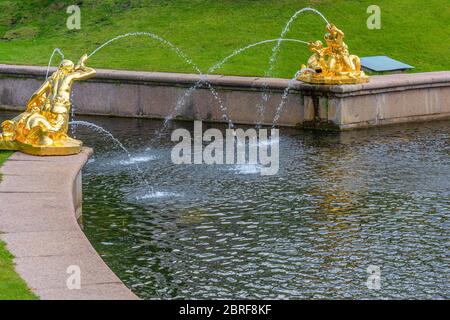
[[332, 64], [42, 129]]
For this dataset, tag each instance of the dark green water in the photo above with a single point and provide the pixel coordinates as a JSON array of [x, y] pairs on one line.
[[340, 203]]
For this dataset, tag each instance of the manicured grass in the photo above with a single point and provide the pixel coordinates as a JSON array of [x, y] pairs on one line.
[[12, 287], [3, 156], [413, 31]]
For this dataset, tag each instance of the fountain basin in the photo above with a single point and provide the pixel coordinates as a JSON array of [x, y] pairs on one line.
[[384, 100], [340, 202]]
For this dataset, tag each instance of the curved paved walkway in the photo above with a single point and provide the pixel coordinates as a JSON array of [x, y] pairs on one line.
[[40, 199]]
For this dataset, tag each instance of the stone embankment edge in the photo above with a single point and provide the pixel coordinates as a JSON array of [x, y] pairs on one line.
[[385, 100], [40, 202]]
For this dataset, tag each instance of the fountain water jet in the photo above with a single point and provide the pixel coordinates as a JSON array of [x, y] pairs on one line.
[[239, 51], [286, 29], [286, 92], [275, 51], [178, 51], [182, 101], [117, 142], [174, 48], [99, 129], [56, 50]]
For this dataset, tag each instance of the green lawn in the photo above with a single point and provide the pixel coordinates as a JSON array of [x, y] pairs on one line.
[[413, 31], [3, 156], [12, 287]]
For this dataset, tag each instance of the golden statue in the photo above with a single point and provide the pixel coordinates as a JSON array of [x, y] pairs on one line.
[[332, 64], [42, 128]]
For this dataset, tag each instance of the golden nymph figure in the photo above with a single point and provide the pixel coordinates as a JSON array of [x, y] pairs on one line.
[[332, 64], [42, 128]]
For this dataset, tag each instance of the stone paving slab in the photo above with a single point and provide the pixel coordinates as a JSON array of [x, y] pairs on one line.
[[105, 291], [38, 197], [20, 167], [33, 184], [47, 243], [44, 272], [34, 212]]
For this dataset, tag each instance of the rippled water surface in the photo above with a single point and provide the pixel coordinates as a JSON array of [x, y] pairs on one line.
[[340, 203]]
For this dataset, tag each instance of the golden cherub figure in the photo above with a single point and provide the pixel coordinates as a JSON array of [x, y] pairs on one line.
[[42, 128], [332, 64]]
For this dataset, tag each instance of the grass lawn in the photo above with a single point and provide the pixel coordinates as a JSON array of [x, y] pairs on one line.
[[4, 155], [413, 31], [12, 287]]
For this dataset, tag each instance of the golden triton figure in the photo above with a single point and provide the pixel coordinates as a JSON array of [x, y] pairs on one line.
[[42, 129], [332, 64]]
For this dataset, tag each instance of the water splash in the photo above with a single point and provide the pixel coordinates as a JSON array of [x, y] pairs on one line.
[[137, 159], [157, 194], [246, 169], [56, 50], [117, 142]]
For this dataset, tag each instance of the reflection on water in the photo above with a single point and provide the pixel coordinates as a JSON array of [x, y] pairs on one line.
[[340, 202]]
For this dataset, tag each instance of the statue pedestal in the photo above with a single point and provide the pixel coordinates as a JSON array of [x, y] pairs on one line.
[[66, 147], [317, 78]]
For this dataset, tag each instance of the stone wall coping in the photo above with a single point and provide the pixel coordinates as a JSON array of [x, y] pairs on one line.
[[383, 83], [40, 197]]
